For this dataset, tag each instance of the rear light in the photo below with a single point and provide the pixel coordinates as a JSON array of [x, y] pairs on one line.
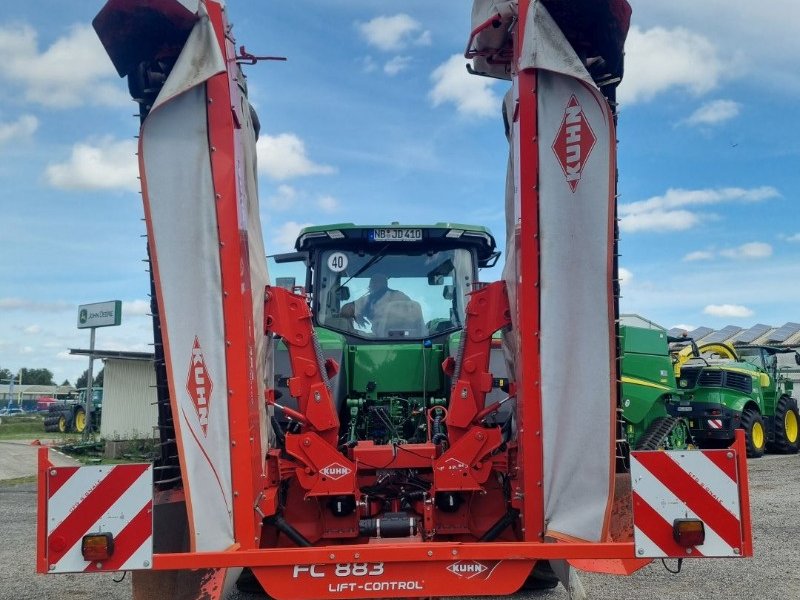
[[97, 546], [688, 532], [715, 412]]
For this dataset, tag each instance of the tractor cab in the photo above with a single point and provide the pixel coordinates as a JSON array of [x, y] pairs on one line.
[[390, 284], [388, 305]]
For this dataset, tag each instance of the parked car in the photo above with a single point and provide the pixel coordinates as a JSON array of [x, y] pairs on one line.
[[9, 412]]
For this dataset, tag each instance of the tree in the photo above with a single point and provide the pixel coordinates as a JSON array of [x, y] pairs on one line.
[[5, 375], [98, 379], [36, 376], [66, 383]]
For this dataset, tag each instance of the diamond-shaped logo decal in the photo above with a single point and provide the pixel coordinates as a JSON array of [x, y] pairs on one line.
[[199, 385], [335, 471], [467, 569], [574, 142]]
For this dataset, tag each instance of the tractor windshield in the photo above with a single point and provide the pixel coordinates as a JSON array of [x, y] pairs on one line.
[[392, 293]]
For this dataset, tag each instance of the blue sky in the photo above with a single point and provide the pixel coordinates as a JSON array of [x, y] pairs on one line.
[[372, 119]]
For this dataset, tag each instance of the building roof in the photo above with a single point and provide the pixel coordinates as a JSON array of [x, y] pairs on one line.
[[117, 354], [41, 390], [787, 335]]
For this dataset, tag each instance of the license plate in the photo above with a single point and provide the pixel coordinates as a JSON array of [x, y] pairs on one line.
[[396, 235], [685, 408]]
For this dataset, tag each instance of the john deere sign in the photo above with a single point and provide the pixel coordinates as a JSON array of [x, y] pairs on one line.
[[100, 314]]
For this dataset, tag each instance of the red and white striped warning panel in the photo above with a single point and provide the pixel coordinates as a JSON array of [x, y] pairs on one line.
[[688, 484], [115, 499], [715, 423]]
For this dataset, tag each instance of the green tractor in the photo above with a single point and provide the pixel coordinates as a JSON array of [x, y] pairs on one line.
[[388, 304], [726, 388], [69, 416], [649, 393]]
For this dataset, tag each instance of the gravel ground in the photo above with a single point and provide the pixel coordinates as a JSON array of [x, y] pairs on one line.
[[773, 573]]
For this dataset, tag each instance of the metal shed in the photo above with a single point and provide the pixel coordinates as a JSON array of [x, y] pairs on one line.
[[129, 394]]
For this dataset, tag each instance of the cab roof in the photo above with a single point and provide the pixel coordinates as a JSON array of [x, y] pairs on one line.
[[343, 233]]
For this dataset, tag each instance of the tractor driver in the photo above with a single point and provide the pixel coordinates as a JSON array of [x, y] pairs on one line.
[[374, 307]]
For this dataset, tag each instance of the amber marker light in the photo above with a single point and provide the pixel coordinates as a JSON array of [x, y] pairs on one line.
[[97, 546], [688, 532]]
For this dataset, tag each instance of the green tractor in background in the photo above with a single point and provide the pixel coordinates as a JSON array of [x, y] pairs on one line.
[[69, 416], [649, 393], [726, 388]]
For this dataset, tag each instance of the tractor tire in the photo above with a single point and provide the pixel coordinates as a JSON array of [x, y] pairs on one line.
[[51, 424], [78, 420], [787, 433], [754, 433]]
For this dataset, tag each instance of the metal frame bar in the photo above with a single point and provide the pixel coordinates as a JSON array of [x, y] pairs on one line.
[[529, 369]]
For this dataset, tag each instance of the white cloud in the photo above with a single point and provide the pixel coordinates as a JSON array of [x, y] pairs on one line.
[[471, 95], [394, 33], [32, 330], [284, 198], [750, 250], [793, 238], [396, 64], [764, 34], [658, 59], [727, 310], [74, 71], [33, 305], [698, 255], [22, 128], [285, 236], [684, 327], [669, 212], [135, 308], [658, 220], [625, 276], [328, 204], [714, 112], [102, 165], [283, 156]]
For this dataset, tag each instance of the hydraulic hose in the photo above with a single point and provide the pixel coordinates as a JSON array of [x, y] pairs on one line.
[[284, 527], [498, 528]]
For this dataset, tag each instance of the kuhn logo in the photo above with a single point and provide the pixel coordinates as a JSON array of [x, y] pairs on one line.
[[574, 142], [199, 385], [467, 569], [335, 471]]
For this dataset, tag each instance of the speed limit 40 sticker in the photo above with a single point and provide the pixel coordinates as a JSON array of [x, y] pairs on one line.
[[337, 262]]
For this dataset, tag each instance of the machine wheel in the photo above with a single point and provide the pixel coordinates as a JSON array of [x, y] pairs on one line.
[[79, 420], [787, 430], [50, 424], [542, 577], [248, 583], [679, 437], [63, 424], [754, 434]]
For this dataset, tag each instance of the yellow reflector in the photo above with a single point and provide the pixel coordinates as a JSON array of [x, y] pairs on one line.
[[97, 546], [688, 532]]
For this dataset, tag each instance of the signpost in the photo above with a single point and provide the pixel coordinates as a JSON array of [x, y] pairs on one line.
[[92, 316]]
